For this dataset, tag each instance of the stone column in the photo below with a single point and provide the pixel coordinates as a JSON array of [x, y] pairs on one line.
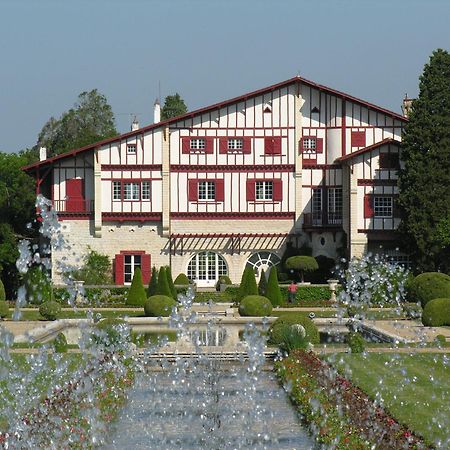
[[166, 182], [97, 194], [358, 241]]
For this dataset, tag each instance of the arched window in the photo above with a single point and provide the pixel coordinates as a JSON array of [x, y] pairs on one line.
[[205, 268], [262, 261]]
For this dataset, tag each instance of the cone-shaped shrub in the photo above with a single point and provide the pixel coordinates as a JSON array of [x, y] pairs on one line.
[[262, 285], [248, 284], [159, 306], [153, 283], [163, 284], [137, 294], [170, 282], [182, 280], [2, 292], [273, 292], [60, 343]]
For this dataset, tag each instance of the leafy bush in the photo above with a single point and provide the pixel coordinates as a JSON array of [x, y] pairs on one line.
[[60, 343], [308, 296], [50, 310], [356, 342], [96, 269], [437, 313], [153, 283], [441, 340], [324, 272], [277, 330], [2, 292], [112, 333], [262, 285], [163, 284], [170, 283], [428, 286], [223, 279], [159, 306], [4, 309], [273, 292], [137, 294], [38, 286], [255, 305], [182, 280], [302, 264], [293, 337], [354, 310], [283, 277], [248, 284]]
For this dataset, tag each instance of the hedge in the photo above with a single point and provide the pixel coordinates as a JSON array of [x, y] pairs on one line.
[[428, 286], [437, 313], [4, 309], [2, 292], [159, 306], [255, 306]]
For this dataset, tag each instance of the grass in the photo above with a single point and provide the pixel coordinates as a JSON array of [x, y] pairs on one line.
[[413, 388], [33, 315], [332, 312]]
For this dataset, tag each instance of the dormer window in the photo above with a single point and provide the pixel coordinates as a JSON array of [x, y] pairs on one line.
[[131, 149]]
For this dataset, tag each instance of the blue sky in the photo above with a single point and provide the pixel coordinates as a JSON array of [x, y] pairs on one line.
[[51, 50]]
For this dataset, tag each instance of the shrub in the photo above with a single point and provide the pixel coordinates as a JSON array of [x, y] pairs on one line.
[[437, 313], [324, 272], [262, 285], [4, 309], [60, 343], [428, 286], [255, 305], [2, 292], [248, 284], [293, 337], [273, 292], [136, 294], [163, 284], [173, 291], [50, 310], [441, 340], [153, 283], [358, 311], [96, 270], [182, 280], [38, 286], [302, 264], [356, 342], [277, 329], [159, 306], [112, 332]]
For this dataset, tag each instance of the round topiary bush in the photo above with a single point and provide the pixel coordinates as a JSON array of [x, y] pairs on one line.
[[2, 292], [428, 286], [60, 343], [302, 264], [112, 332], [50, 310], [159, 306], [437, 313], [255, 306], [356, 342], [4, 309], [278, 329], [182, 280]]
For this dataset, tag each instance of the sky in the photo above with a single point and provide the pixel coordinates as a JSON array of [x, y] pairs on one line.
[[206, 50]]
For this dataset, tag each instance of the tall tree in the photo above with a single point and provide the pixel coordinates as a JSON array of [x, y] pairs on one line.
[[424, 182], [173, 106], [89, 121]]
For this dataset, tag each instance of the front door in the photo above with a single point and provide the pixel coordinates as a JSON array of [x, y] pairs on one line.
[[75, 201], [205, 268]]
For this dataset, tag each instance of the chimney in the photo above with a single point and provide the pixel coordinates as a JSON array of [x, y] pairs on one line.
[[407, 105], [42, 153], [156, 111], [134, 124]]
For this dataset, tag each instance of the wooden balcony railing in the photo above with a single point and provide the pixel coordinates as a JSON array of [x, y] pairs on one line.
[[321, 219], [73, 206]]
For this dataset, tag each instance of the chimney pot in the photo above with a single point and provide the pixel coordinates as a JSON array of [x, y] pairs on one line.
[[134, 125], [156, 112], [42, 153]]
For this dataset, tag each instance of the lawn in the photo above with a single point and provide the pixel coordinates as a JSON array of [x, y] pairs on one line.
[[74, 314], [332, 312], [414, 388]]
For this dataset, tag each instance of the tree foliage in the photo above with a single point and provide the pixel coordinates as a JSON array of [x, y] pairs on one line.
[[424, 181], [153, 283], [163, 283], [137, 294], [262, 285], [96, 269], [248, 284], [273, 292], [173, 106], [90, 120], [302, 264]]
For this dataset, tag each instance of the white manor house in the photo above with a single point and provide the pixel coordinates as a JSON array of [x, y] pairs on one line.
[[232, 184]]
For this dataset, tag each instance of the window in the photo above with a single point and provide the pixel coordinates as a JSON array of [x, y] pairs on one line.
[[310, 144], [206, 190], [205, 268], [145, 190], [131, 191], [264, 190], [389, 161], [382, 206], [131, 263], [335, 205], [197, 144], [131, 149], [317, 206], [263, 261], [117, 190], [235, 144]]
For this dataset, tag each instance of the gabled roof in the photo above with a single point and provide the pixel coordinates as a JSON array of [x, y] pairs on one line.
[[368, 149], [219, 105]]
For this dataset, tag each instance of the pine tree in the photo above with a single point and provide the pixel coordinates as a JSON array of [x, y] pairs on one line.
[[153, 283], [262, 285], [137, 294], [173, 290], [273, 292], [163, 284], [424, 182]]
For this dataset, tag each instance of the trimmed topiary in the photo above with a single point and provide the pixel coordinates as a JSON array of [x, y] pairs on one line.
[[277, 331], [136, 294], [428, 286], [163, 284], [50, 310], [182, 280], [4, 309], [302, 264], [437, 313], [255, 306], [37, 286], [273, 292], [2, 292], [112, 332], [171, 283], [159, 306], [60, 343], [262, 285], [153, 284], [356, 342], [248, 284]]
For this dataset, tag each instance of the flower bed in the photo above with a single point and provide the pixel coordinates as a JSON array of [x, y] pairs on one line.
[[339, 413]]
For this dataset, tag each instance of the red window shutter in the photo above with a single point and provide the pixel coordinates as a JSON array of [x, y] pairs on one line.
[[119, 269], [223, 145], [192, 190], [220, 191], [277, 191], [368, 206], [251, 194], [145, 268], [272, 145], [247, 145], [209, 142], [358, 138], [319, 145], [185, 145]]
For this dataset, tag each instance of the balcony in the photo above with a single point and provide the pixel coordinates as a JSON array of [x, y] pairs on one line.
[[73, 207], [322, 219]]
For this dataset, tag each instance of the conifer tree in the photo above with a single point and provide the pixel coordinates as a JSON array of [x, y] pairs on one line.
[[273, 292], [163, 284], [262, 285], [137, 294], [173, 290], [248, 284], [153, 283], [424, 181]]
